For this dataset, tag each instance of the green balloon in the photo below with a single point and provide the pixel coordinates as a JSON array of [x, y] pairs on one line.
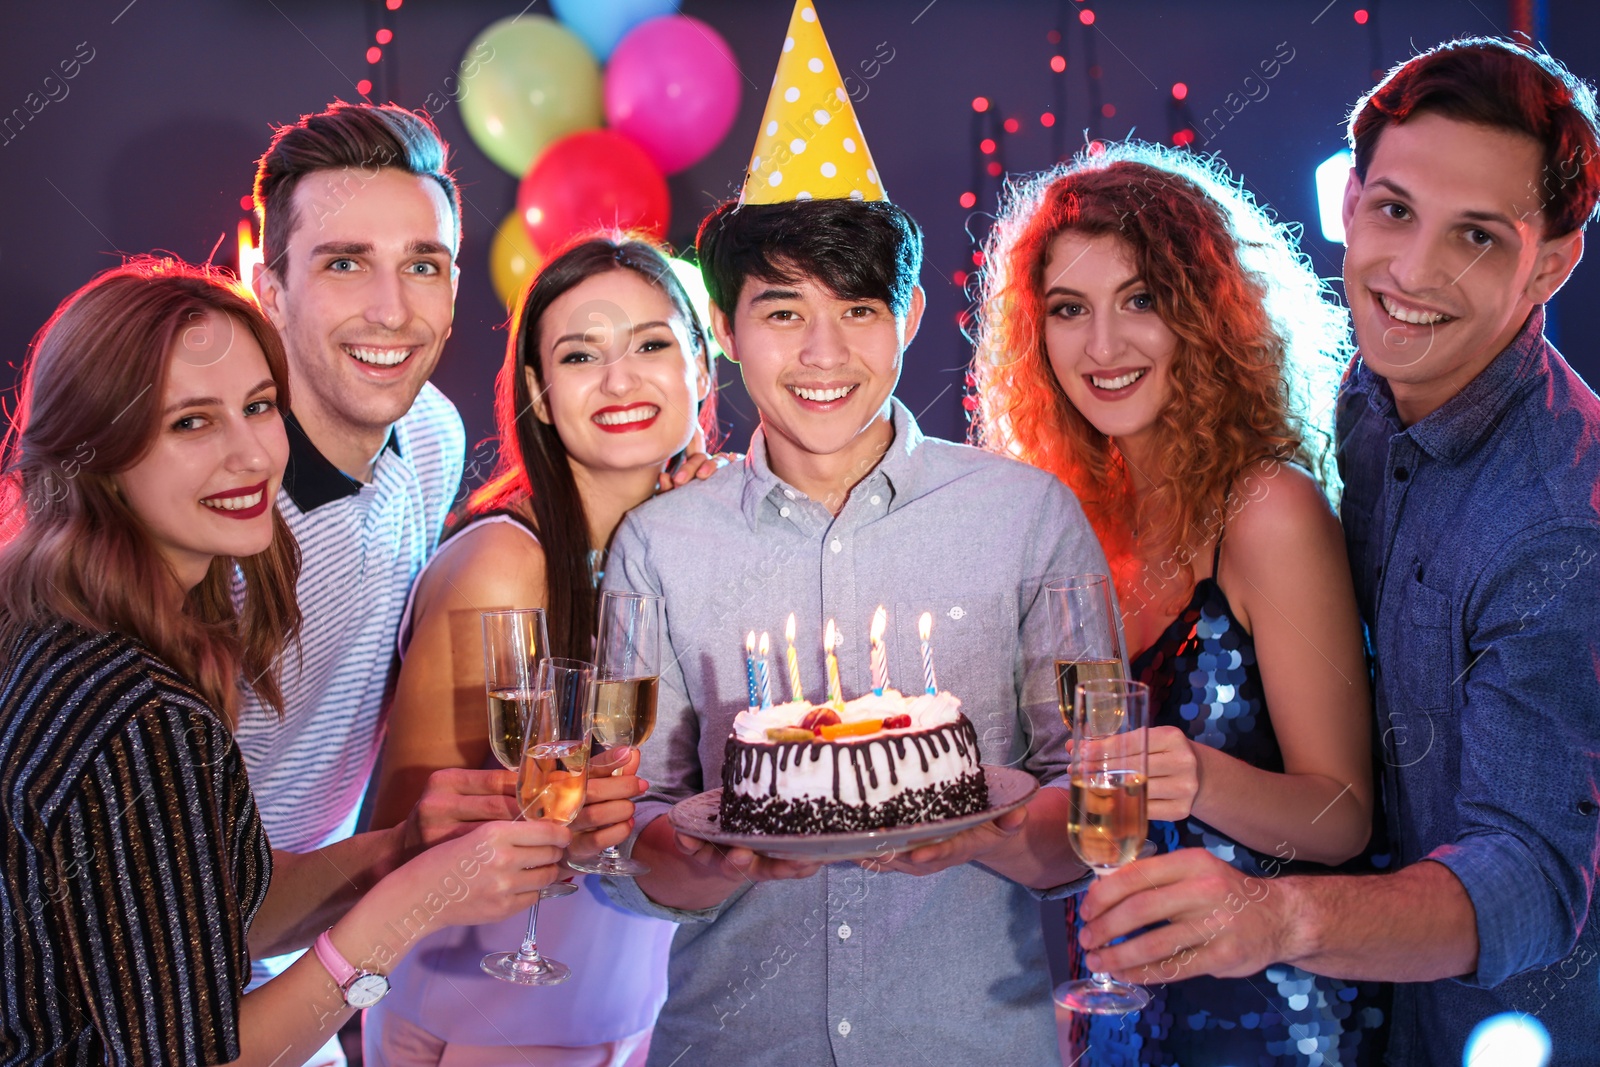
[[525, 82]]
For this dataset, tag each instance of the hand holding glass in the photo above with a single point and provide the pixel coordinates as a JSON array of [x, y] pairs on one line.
[[550, 785], [1108, 820]]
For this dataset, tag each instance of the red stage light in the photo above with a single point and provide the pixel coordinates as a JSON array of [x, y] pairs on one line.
[[374, 54], [1108, 110], [1058, 63], [995, 170], [987, 146], [1012, 125], [980, 103], [247, 203], [968, 199], [1179, 90], [1183, 138], [1086, 17], [959, 277], [1047, 120], [363, 87], [1361, 17], [385, 36]]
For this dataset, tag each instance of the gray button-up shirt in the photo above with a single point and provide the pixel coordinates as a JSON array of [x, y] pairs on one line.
[[851, 967]]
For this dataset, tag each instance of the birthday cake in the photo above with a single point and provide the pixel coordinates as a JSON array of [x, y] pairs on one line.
[[874, 762]]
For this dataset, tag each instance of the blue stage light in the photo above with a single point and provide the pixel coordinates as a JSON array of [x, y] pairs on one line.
[[1331, 176], [1510, 1039]]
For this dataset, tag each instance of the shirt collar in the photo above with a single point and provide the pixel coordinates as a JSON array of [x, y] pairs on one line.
[[899, 466], [1466, 419], [311, 479]]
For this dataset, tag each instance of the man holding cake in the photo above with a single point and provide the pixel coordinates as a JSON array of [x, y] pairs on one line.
[[930, 956]]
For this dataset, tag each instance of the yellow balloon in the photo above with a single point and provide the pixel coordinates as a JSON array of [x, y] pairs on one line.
[[524, 82], [512, 259]]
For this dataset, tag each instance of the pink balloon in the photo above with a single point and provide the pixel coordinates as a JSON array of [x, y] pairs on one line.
[[673, 87]]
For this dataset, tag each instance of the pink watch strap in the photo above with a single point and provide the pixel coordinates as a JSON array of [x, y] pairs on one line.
[[333, 960]]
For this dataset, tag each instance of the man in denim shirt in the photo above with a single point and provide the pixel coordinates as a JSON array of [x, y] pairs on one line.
[[1471, 458]]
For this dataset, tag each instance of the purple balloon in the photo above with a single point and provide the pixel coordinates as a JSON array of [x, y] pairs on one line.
[[673, 87]]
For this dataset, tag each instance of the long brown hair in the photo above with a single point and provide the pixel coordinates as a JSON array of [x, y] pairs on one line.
[[534, 471], [70, 548], [1254, 377]]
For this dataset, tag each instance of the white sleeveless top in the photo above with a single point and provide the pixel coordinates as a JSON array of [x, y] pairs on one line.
[[618, 960]]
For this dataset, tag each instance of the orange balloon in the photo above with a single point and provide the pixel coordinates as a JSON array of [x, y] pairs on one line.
[[513, 261]]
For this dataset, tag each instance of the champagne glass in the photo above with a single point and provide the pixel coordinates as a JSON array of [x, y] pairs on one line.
[[1108, 820], [550, 785], [515, 642], [1089, 639], [627, 678]]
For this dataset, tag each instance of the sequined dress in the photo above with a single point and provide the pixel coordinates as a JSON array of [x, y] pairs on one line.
[[1204, 679]]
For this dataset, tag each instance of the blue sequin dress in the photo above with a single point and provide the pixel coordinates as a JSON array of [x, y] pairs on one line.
[[1204, 679]]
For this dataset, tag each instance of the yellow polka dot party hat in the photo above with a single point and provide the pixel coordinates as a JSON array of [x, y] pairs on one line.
[[810, 145]]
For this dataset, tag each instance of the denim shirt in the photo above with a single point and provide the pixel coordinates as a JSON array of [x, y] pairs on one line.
[[1474, 537], [850, 967]]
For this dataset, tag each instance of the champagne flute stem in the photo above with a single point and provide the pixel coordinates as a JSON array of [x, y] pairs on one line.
[[528, 957]]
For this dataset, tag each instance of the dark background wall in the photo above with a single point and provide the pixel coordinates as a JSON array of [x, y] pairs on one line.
[[154, 142]]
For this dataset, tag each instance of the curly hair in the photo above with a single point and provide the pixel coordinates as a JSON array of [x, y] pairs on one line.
[[1260, 347]]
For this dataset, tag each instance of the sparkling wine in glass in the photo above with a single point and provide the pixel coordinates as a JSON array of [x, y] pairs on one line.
[[627, 680], [1107, 822], [1089, 640], [514, 644], [550, 785]]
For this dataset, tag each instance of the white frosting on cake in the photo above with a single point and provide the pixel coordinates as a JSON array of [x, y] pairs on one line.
[[863, 768], [926, 712]]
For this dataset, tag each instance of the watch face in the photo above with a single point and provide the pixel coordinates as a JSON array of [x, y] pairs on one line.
[[365, 990]]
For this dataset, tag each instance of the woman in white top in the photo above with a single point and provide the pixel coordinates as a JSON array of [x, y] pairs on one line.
[[607, 378]]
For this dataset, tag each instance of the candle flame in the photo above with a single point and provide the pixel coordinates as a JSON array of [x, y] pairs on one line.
[[880, 622], [830, 637], [750, 641], [764, 644], [925, 625], [788, 629]]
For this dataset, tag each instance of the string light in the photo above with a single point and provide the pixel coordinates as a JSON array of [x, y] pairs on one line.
[[374, 54], [980, 104], [1361, 17], [1086, 17], [969, 199], [1012, 125], [385, 35], [1058, 63], [1180, 91], [987, 146], [1047, 120]]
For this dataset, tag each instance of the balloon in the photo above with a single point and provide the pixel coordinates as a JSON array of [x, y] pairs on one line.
[[512, 260], [597, 179], [602, 23], [524, 83], [673, 86]]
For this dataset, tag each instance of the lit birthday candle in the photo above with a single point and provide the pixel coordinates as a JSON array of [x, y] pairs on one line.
[[925, 630], [796, 691], [880, 653], [750, 667], [830, 640], [763, 681]]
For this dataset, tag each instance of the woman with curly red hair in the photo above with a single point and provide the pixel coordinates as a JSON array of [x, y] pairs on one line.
[[1150, 336]]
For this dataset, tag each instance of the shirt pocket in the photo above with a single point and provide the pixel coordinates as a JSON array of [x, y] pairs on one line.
[[1426, 663], [975, 650]]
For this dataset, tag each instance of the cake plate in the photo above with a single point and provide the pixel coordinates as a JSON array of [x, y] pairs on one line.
[[1009, 789]]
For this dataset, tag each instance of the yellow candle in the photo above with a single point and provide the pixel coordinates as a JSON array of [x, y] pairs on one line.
[[830, 640], [880, 653], [795, 688]]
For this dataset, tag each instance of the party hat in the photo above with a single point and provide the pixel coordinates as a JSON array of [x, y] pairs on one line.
[[810, 145]]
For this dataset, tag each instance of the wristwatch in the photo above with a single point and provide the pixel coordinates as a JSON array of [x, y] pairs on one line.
[[360, 989]]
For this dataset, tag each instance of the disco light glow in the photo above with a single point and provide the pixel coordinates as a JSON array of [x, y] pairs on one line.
[[1331, 177], [1510, 1039]]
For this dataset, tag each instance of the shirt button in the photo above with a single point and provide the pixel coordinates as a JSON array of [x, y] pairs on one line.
[[784, 512], [836, 546], [844, 931], [876, 499], [1401, 474], [789, 493], [844, 1027]]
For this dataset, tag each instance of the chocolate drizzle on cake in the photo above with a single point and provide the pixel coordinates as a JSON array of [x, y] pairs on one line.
[[761, 766]]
